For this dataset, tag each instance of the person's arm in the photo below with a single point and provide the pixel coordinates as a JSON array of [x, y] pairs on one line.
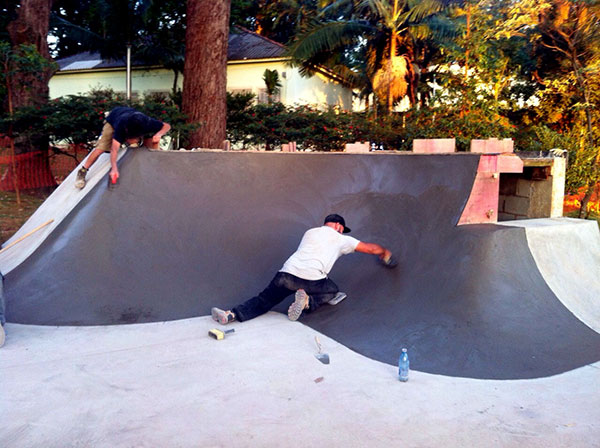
[[165, 128], [375, 249], [114, 150]]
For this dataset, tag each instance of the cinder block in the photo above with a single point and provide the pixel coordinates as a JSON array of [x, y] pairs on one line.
[[509, 163], [492, 146], [541, 199], [506, 216], [357, 147], [524, 188], [517, 205], [434, 145]]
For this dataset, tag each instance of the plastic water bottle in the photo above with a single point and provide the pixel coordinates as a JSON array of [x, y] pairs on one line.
[[403, 366]]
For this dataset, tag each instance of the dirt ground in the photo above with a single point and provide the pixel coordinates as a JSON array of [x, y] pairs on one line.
[[13, 217]]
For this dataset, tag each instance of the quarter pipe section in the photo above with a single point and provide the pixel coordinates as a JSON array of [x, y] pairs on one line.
[[184, 232]]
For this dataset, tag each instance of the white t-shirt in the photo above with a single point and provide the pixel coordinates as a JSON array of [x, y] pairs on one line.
[[318, 251]]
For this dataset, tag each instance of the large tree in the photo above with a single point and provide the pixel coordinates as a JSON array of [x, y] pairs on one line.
[[205, 71], [30, 27]]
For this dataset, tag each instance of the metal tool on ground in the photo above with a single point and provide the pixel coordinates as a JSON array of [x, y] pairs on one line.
[[219, 334], [323, 357]]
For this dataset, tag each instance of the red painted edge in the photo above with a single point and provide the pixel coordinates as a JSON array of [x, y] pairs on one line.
[[482, 205]]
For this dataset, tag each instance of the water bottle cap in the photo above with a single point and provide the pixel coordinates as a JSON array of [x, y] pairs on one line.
[[404, 350]]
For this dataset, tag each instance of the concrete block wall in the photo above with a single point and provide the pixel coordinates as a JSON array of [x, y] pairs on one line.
[[537, 193]]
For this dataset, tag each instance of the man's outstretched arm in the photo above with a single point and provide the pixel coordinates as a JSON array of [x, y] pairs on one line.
[[375, 249]]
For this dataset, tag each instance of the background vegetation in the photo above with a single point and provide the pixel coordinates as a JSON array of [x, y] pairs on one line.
[[526, 69]]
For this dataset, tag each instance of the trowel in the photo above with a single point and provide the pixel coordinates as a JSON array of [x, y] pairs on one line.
[[323, 357]]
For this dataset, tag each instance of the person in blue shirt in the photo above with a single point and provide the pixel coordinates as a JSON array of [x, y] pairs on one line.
[[123, 125]]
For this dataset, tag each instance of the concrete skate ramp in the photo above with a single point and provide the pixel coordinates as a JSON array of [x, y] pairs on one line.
[[567, 254], [184, 232]]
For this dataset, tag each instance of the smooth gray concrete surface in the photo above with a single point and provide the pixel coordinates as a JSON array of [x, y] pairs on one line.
[[63, 200], [184, 232], [169, 385], [567, 253]]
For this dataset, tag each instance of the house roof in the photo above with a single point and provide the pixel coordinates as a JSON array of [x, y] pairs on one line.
[[243, 45]]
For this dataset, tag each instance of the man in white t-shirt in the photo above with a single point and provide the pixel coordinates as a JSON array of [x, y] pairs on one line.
[[305, 273]]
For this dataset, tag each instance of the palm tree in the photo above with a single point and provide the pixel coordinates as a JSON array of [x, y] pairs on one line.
[[272, 82], [384, 33]]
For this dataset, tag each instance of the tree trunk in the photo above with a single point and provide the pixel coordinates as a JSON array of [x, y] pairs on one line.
[[583, 211], [31, 28], [205, 71]]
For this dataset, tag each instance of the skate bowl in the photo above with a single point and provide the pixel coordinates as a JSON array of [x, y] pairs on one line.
[[187, 231]]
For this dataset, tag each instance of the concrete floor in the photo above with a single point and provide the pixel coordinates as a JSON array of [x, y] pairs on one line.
[[169, 385]]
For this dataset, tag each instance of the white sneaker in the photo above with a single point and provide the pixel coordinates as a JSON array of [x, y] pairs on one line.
[[80, 180], [222, 316], [299, 304], [338, 298]]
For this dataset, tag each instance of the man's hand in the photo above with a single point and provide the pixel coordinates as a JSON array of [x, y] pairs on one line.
[[388, 260], [114, 175], [385, 256]]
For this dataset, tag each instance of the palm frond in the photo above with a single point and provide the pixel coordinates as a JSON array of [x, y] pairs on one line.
[[423, 9], [326, 37]]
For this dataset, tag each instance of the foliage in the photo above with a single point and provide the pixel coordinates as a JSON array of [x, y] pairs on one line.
[[22, 59], [78, 119], [154, 29], [386, 36], [272, 83], [279, 21], [252, 125]]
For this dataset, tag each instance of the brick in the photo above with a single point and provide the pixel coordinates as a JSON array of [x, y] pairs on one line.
[[434, 145], [492, 146], [358, 147], [510, 163]]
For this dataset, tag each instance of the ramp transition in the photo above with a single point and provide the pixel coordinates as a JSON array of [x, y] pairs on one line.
[[184, 232]]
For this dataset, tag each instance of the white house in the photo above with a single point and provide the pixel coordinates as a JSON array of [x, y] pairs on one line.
[[249, 54]]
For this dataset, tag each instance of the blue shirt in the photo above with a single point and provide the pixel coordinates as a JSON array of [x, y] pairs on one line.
[[119, 118]]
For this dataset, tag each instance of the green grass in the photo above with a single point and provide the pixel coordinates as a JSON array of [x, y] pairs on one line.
[[13, 217]]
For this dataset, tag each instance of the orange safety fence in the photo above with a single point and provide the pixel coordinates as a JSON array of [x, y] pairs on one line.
[[37, 169], [62, 164]]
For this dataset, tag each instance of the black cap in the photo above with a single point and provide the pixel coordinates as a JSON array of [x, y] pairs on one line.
[[337, 218]]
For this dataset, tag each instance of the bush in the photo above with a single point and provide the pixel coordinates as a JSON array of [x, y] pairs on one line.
[[251, 125], [78, 119]]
